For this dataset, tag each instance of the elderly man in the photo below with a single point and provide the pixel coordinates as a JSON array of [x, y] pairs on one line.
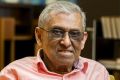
[[61, 36]]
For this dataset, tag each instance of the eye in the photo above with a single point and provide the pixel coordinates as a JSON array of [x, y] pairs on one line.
[[57, 32], [75, 33]]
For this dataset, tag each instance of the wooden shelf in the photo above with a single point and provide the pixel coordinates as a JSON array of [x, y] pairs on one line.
[[17, 36], [21, 37]]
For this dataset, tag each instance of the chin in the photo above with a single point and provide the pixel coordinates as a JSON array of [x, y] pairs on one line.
[[66, 62]]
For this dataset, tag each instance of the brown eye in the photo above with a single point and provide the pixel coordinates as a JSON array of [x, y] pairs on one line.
[[75, 33], [57, 32]]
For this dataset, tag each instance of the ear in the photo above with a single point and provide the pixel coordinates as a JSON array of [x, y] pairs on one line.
[[38, 36], [84, 40]]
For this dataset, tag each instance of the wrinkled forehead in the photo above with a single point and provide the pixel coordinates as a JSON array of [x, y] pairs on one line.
[[66, 20]]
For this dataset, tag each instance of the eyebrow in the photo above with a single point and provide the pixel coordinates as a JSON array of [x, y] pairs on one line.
[[62, 28], [57, 27]]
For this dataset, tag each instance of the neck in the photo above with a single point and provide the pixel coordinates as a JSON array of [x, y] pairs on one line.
[[60, 69]]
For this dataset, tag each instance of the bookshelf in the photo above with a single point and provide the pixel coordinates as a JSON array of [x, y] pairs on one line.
[[7, 33], [107, 50], [107, 41], [17, 23]]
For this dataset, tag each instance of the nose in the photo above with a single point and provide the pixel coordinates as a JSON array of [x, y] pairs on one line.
[[66, 42]]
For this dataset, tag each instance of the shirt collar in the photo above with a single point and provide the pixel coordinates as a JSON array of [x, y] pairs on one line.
[[80, 64], [40, 64], [38, 56]]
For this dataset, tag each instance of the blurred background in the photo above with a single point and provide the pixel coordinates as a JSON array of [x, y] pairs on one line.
[[18, 19]]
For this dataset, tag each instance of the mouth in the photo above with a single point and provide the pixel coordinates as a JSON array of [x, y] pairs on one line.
[[65, 53]]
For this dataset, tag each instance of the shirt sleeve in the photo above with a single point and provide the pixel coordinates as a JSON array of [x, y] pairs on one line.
[[101, 73]]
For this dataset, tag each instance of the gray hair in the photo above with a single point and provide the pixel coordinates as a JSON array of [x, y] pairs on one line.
[[60, 7]]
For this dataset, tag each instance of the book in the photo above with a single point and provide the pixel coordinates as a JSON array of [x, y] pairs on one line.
[[118, 26], [113, 27], [106, 27]]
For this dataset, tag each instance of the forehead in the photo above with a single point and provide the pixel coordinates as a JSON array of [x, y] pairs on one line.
[[64, 20]]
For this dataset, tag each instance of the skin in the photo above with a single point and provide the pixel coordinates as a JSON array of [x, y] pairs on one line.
[[61, 54], [3, 78]]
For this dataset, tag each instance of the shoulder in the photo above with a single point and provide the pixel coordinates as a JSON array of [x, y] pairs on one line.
[[20, 63], [19, 68], [96, 69], [93, 65], [91, 61], [26, 60]]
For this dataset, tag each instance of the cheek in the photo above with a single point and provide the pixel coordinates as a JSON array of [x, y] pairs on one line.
[[51, 46], [47, 42], [77, 48], [77, 45]]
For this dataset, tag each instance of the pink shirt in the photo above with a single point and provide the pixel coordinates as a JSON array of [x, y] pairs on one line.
[[33, 68]]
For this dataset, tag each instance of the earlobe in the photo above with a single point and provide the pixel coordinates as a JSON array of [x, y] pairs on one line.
[[84, 40], [38, 36]]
